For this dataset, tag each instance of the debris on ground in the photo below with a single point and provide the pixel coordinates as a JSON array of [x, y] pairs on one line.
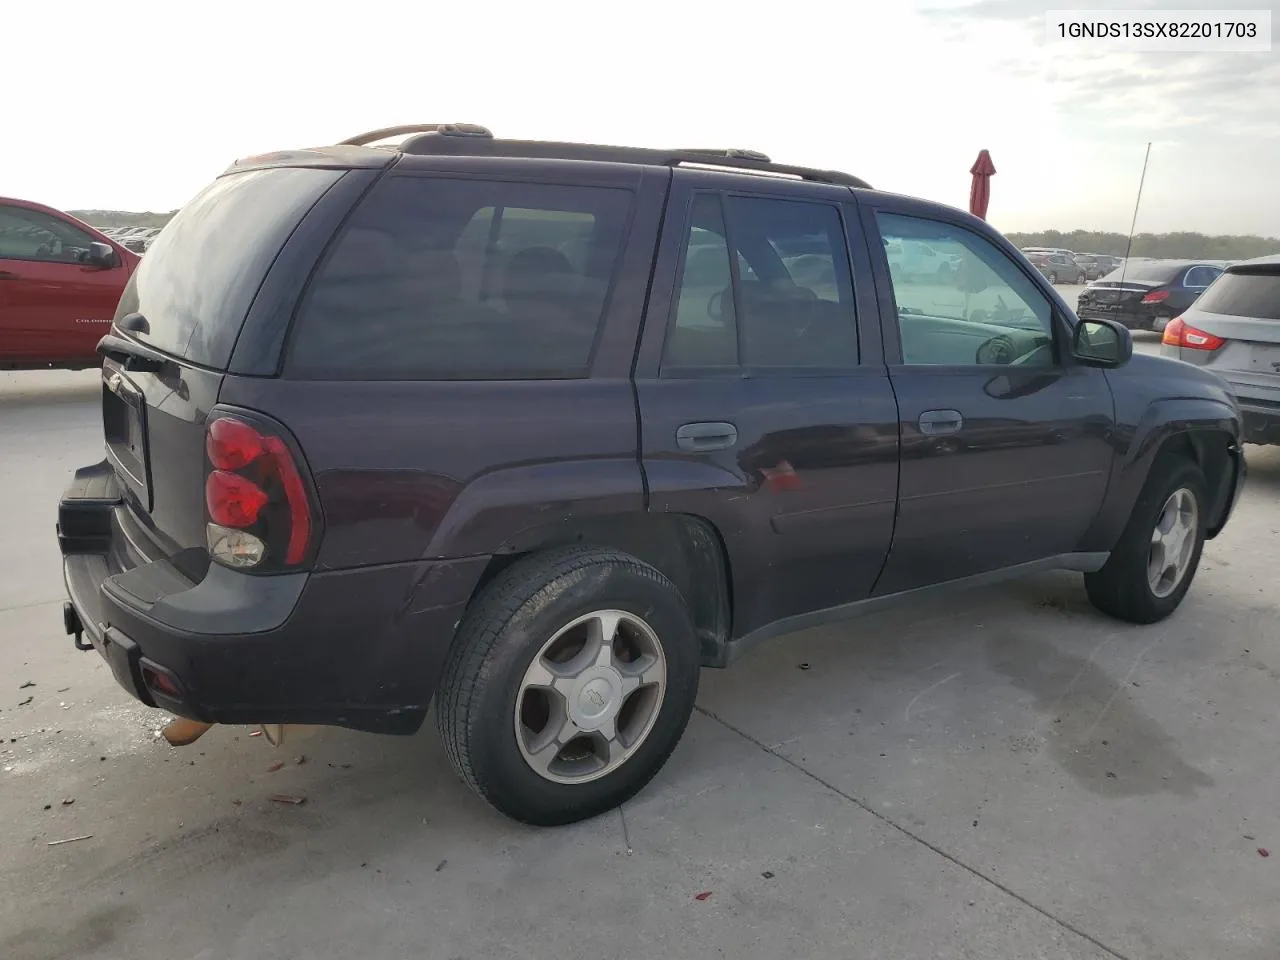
[[440, 865], [23, 703], [705, 894], [237, 802], [29, 683], [1249, 836], [68, 801], [182, 731], [286, 798], [256, 733], [58, 843], [1264, 852], [279, 764], [768, 874], [803, 666], [48, 806], [300, 759]]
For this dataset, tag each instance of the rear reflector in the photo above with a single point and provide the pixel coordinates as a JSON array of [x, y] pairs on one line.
[[1178, 334]]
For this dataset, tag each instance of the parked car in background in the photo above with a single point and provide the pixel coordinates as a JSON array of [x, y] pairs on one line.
[[1146, 294], [1096, 265], [914, 258], [529, 433], [1057, 267], [1233, 329], [60, 281]]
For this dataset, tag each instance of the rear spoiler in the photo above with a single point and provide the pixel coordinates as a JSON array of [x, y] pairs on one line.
[[340, 157]]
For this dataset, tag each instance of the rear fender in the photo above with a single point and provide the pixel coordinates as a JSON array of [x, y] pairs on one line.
[[506, 507], [1205, 430]]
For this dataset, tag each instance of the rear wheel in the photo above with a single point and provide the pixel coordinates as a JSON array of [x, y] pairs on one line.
[[1053, 277], [568, 685], [1155, 560], [1080, 278]]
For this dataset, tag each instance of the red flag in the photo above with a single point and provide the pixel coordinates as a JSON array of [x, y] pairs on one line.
[[980, 189]]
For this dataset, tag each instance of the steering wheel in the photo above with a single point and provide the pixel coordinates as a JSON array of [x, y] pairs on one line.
[[998, 350]]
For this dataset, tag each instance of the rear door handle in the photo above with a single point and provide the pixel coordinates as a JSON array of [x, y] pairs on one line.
[[935, 422], [700, 437]]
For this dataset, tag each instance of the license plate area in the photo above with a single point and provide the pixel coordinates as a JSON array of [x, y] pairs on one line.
[[124, 426], [1264, 358]]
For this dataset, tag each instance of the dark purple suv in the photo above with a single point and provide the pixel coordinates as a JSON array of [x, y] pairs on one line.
[[538, 430]]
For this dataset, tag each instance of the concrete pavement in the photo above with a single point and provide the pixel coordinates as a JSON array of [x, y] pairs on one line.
[[1004, 774]]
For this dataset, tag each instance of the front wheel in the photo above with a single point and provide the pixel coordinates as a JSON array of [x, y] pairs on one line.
[[1155, 559], [568, 685], [1080, 279], [1053, 278]]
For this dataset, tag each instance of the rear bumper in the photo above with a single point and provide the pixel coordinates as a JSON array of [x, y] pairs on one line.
[[359, 648]]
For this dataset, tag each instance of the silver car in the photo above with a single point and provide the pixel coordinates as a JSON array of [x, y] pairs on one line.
[[1234, 330]]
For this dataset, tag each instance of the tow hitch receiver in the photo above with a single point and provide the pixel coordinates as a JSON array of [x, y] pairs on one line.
[[75, 629]]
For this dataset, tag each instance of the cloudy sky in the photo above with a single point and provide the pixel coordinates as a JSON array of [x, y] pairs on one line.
[[137, 105]]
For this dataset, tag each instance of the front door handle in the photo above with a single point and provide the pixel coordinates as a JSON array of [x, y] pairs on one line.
[[935, 422], [701, 437]]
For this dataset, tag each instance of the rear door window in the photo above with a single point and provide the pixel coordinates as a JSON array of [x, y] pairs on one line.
[[198, 279], [1255, 295], [792, 303], [452, 279]]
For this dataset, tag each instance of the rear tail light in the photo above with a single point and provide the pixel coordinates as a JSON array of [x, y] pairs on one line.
[[1178, 334], [259, 510], [1156, 296]]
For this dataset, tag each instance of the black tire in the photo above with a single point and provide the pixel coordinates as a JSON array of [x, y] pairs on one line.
[[1081, 279], [500, 635], [1121, 588], [1053, 278]]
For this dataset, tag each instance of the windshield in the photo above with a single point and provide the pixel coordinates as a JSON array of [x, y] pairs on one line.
[[196, 283]]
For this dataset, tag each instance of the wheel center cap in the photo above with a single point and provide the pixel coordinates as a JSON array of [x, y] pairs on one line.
[[597, 698]]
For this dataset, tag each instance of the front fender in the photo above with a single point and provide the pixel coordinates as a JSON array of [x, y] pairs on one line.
[[1208, 426]]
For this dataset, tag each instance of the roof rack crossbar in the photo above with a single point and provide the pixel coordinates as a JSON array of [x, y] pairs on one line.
[[428, 143]]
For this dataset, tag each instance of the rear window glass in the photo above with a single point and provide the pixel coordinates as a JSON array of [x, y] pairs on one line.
[[451, 279], [1243, 295], [195, 284], [1155, 272]]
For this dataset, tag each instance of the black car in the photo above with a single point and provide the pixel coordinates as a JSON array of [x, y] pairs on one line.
[[528, 433], [1146, 294]]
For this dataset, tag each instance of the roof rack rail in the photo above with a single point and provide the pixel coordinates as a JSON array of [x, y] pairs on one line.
[[405, 129], [434, 139]]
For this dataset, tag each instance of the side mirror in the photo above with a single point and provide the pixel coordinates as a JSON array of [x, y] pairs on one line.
[[101, 255], [1102, 343]]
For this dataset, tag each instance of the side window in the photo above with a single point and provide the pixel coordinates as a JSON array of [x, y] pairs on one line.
[[704, 331], [32, 235], [1200, 276], [792, 306], [439, 279], [982, 310]]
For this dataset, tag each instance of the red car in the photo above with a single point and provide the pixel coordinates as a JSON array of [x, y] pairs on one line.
[[60, 281]]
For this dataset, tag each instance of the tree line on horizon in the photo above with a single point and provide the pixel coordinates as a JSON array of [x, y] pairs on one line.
[[1172, 246], [1161, 246]]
